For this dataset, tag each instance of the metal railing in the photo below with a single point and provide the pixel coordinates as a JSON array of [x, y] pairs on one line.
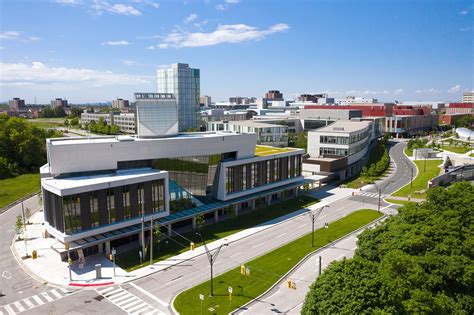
[[18, 201]]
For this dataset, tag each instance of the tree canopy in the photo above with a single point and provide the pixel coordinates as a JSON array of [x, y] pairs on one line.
[[419, 261], [22, 146]]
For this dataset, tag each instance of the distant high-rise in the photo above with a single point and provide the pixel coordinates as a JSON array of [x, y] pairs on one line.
[[205, 100], [274, 95], [16, 103], [59, 102], [184, 82], [468, 97], [120, 103], [157, 115]]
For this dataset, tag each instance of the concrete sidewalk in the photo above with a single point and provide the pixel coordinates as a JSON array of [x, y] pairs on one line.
[[49, 268]]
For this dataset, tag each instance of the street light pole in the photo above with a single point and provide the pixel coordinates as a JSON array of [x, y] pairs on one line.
[[313, 217], [212, 259], [380, 192], [151, 240]]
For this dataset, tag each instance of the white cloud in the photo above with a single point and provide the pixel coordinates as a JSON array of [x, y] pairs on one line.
[[117, 8], [10, 35], [221, 7], [151, 48], [223, 34], [14, 35], [464, 12], [427, 91], [130, 62], [117, 43], [232, 1], [40, 76], [455, 89], [466, 29], [68, 2], [224, 6], [398, 91], [163, 46], [150, 3], [191, 17]]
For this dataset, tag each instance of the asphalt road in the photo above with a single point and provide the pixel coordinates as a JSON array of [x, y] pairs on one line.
[[282, 299], [14, 282], [159, 289]]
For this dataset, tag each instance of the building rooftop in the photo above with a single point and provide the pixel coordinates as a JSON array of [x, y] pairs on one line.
[[66, 185], [117, 139], [261, 150], [255, 124], [344, 126]]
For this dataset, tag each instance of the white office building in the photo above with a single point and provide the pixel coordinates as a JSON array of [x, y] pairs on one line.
[[340, 148], [184, 83]]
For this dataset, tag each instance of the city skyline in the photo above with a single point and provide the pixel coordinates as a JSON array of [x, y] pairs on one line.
[[99, 50]]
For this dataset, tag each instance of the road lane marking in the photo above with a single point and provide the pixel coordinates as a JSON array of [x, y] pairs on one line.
[[47, 297], [19, 307], [173, 280], [9, 309], [38, 300], [28, 303], [55, 293], [258, 245], [149, 294], [281, 235]]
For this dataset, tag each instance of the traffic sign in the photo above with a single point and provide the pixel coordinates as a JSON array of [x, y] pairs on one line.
[[201, 297], [229, 289]]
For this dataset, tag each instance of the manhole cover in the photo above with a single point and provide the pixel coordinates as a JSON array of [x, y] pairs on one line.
[[99, 298]]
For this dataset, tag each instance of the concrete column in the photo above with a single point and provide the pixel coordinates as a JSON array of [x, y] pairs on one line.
[[268, 199], [253, 204], [140, 239], [236, 209], [101, 248], [216, 216], [107, 248], [194, 223], [169, 230]]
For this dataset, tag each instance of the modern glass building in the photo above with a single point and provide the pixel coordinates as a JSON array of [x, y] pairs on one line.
[[184, 83], [97, 191]]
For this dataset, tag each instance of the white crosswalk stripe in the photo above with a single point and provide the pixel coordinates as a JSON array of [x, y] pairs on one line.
[[33, 301], [370, 195], [127, 301]]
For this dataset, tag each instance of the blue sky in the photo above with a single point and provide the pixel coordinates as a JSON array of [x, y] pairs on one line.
[[96, 50]]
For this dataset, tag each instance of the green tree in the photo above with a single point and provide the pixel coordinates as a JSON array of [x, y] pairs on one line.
[[158, 235], [419, 261], [19, 225], [200, 221], [27, 215]]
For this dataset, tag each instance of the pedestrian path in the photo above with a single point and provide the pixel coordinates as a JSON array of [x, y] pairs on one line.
[[33, 301], [127, 301]]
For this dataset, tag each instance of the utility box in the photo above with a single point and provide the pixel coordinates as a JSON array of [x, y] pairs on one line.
[[98, 271], [34, 254]]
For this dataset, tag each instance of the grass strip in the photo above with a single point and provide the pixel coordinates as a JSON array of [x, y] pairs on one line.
[[265, 270], [420, 183], [15, 188], [130, 260], [456, 149]]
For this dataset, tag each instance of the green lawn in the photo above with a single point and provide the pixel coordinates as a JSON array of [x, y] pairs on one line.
[[46, 122], [265, 270], [456, 149], [12, 189], [421, 181], [261, 150], [408, 152], [398, 202], [130, 260]]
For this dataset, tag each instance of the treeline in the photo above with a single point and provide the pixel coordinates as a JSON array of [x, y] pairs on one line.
[[102, 127], [417, 262], [379, 160], [49, 112], [22, 146]]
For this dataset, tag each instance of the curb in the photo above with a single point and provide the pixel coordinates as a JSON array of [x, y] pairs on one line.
[[303, 260], [18, 201], [190, 258]]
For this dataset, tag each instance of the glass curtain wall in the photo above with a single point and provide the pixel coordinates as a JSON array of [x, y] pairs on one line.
[[105, 207], [252, 175]]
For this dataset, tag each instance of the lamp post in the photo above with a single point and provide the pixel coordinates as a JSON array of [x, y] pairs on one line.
[[313, 217], [380, 192], [143, 239], [212, 259], [151, 240]]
